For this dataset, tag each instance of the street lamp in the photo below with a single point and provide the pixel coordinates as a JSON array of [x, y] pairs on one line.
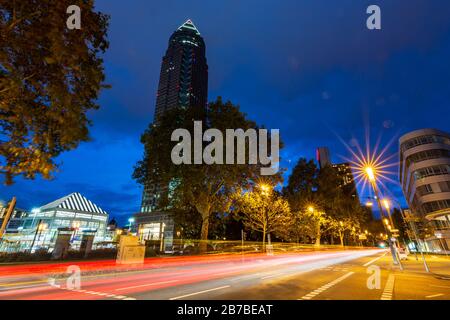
[[387, 206], [370, 173], [265, 189], [311, 209], [130, 223]]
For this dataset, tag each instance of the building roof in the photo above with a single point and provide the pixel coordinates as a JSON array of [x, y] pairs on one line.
[[74, 201], [189, 25]]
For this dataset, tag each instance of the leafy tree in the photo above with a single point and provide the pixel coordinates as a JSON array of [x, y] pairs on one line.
[[207, 188], [50, 77], [265, 212], [320, 205]]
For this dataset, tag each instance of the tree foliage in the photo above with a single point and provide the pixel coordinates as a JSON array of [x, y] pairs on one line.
[[265, 212], [320, 205], [207, 188], [50, 77]]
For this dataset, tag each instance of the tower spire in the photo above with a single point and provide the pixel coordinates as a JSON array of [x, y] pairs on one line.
[[189, 25]]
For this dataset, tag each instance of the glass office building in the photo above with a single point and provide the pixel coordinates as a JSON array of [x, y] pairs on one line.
[[39, 228]]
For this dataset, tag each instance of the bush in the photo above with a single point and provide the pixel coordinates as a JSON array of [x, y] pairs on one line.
[[38, 255], [43, 255]]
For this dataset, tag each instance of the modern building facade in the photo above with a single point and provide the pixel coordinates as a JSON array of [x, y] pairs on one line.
[[183, 84], [16, 220], [73, 214], [347, 178], [424, 174]]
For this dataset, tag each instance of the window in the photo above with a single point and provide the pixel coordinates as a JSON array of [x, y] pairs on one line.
[[426, 155], [426, 139], [424, 190], [431, 171], [435, 206], [445, 186]]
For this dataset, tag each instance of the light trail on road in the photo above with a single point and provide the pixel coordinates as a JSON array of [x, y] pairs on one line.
[[166, 278]]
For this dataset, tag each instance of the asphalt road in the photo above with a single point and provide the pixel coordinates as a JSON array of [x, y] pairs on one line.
[[336, 275]]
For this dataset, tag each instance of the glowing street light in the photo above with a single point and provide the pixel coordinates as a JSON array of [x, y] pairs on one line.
[[311, 209], [265, 189], [371, 167], [386, 204], [370, 173], [130, 223], [42, 227]]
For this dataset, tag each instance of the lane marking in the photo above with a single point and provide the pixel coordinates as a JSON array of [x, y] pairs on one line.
[[373, 260], [435, 296], [147, 285], [445, 287], [199, 292], [13, 284], [101, 294], [325, 287], [389, 288]]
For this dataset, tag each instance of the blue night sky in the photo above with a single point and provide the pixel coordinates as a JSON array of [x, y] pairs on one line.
[[308, 67]]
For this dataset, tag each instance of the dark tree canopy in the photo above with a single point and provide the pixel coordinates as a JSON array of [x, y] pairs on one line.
[[206, 188], [50, 77], [334, 211]]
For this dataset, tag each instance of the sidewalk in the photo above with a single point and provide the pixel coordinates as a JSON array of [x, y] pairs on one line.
[[439, 266]]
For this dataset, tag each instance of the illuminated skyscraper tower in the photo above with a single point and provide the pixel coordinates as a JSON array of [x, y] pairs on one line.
[[183, 83], [183, 80]]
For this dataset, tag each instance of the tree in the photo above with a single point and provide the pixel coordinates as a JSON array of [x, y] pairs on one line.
[[265, 212], [205, 187], [320, 204], [50, 77]]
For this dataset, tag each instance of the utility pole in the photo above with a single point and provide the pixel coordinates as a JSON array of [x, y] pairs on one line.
[[11, 207]]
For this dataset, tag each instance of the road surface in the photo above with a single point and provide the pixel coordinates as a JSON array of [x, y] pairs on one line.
[[321, 275]]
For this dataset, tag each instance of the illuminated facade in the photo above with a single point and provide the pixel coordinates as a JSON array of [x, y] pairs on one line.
[[183, 81], [74, 213], [425, 180], [347, 182]]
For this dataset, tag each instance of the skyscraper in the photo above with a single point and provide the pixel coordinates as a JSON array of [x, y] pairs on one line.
[[323, 156], [343, 170], [183, 80], [183, 83]]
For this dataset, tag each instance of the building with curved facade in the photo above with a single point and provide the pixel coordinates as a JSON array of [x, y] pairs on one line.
[[425, 179]]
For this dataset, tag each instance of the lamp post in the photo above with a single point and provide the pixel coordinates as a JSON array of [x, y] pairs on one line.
[[371, 175]]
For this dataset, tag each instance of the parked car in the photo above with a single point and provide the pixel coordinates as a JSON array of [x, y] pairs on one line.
[[402, 253]]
